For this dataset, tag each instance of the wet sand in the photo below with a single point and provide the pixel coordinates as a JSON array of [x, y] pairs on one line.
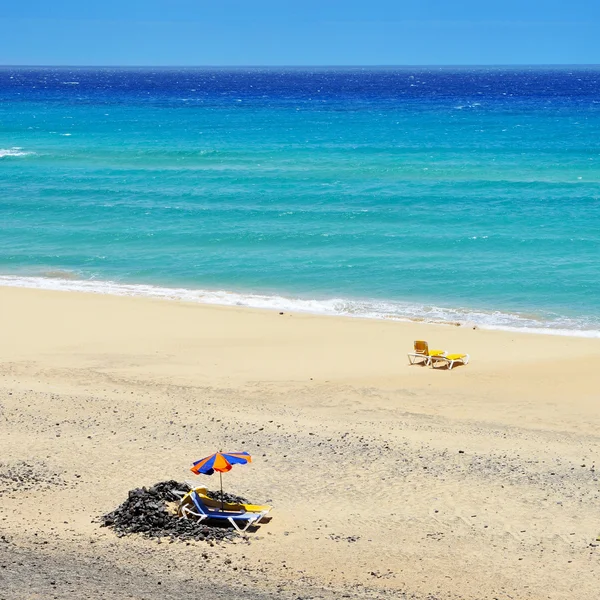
[[387, 480]]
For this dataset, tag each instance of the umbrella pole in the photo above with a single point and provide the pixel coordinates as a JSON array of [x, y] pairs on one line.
[[222, 503]]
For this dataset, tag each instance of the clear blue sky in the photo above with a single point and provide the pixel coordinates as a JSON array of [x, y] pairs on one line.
[[299, 32]]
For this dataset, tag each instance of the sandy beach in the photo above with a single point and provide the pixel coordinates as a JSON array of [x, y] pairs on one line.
[[388, 480]]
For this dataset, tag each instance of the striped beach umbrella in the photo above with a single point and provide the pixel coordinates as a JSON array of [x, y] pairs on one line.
[[220, 462]]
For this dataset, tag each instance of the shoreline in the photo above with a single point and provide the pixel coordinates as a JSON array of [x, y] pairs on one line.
[[334, 307]]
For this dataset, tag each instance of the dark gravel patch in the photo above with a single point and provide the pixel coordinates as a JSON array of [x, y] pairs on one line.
[[27, 574], [33, 575], [145, 512], [21, 476]]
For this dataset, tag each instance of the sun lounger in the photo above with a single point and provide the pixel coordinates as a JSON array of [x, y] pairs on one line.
[[241, 521], [228, 506], [422, 352], [450, 360]]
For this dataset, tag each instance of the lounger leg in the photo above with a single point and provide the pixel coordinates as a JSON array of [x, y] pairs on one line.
[[237, 527], [185, 511], [412, 358]]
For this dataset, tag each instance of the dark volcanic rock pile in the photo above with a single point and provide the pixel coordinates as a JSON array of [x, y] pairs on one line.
[[145, 512]]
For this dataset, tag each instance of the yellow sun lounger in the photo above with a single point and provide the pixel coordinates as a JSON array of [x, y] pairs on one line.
[[449, 360], [227, 506], [239, 520], [422, 351]]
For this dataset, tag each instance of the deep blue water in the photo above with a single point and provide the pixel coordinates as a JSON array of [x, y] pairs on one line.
[[450, 194]]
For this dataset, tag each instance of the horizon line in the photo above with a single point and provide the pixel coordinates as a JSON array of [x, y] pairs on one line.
[[307, 66]]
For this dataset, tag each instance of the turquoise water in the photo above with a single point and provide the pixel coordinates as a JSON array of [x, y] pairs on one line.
[[470, 195]]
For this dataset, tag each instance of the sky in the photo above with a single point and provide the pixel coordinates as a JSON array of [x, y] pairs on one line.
[[299, 32]]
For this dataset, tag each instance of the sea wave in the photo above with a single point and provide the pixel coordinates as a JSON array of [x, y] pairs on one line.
[[370, 309], [60, 274], [14, 151]]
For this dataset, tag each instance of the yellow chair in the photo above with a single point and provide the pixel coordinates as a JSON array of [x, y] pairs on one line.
[[422, 352]]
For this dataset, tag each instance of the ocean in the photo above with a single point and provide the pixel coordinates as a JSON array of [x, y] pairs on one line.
[[465, 195]]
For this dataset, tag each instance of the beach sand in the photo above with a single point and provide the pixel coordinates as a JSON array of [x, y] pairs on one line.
[[388, 481]]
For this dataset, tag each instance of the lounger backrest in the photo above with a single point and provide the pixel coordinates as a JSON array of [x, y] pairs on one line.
[[421, 347]]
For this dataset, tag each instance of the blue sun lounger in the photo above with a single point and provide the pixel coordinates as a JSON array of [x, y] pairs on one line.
[[202, 512]]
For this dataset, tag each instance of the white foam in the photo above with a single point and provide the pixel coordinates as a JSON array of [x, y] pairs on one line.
[[14, 151], [372, 309]]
